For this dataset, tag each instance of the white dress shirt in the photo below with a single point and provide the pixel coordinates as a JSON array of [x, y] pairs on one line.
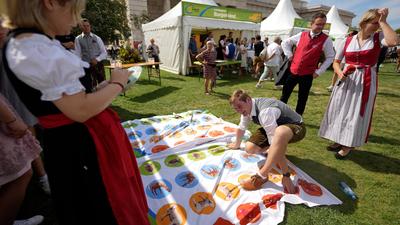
[[103, 51], [267, 118]]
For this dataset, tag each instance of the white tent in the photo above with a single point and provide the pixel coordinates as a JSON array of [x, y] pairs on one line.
[[280, 22], [338, 28], [171, 33]]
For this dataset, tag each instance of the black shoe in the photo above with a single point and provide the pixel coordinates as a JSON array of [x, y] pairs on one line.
[[332, 148], [341, 157]]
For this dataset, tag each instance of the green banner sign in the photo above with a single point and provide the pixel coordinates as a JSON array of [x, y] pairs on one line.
[[216, 12], [307, 24]]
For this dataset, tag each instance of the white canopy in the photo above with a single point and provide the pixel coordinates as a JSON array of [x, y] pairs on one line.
[[280, 22], [171, 33], [338, 28]]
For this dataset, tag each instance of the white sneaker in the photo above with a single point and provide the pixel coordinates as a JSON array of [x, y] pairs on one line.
[[258, 85], [234, 72], [330, 88], [278, 87], [35, 220], [44, 184]]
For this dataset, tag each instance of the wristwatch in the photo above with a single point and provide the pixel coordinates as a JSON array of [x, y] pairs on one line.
[[287, 174]]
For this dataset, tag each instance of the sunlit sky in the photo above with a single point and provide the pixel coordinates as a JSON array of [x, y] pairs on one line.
[[358, 7]]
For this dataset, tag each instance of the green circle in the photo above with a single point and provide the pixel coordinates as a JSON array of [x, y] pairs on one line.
[[130, 124], [216, 150], [138, 154], [146, 121], [149, 167], [196, 155], [174, 161]]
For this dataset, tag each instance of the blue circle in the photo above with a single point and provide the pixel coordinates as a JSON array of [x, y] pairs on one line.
[[186, 179], [232, 164], [251, 158], [158, 189], [151, 131], [210, 171], [135, 135]]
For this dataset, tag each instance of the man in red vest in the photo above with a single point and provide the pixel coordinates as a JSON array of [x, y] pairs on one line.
[[304, 68]]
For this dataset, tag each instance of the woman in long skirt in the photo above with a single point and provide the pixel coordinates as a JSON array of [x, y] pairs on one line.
[[347, 119]]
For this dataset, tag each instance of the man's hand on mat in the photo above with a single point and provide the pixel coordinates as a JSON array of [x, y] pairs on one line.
[[233, 146], [288, 185]]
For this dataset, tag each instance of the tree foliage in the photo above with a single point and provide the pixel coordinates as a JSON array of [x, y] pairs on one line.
[[108, 18]]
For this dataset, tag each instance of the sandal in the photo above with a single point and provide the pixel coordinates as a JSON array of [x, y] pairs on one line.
[[341, 157], [335, 147], [255, 182]]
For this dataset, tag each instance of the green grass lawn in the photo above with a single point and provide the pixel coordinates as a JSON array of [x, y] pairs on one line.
[[373, 171]]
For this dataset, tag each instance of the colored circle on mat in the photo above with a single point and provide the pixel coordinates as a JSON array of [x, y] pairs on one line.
[[251, 158], [179, 143], [227, 191], [146, 121], [174, 161], [149, 168], [248, 213], [229, 129], [210, 171], [137, 144], [215, 133], [135, 135], [196, 155], [203, 127], [129, 124], [232, 164], [202, 203], [171, 213], [216, 149], [159, 148], [186, 179], [158, 189], [243, 177], [151, 131]]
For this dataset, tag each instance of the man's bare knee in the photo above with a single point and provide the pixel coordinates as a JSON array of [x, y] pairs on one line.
[[251, 148]]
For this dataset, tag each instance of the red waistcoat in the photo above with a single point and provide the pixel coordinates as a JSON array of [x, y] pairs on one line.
[[306, 56]]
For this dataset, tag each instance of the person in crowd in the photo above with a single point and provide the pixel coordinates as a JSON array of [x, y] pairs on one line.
[[193, 48], [153, 51], [84, 144], [266, 42], [250, 46], [229, 50], [7, 90], [221, 48], [280, 126], [243, 57], [258, 63], [272, 62], [304, 68], [18, 150], [347, 119], [210, 37], [91, 49], [207, 58]]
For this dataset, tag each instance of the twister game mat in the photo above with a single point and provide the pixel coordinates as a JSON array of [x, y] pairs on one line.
[[191, 177]]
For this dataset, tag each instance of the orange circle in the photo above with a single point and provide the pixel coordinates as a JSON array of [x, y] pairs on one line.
[[177, 135], [156, 138], [243, 177], [215, 133], [179, 142], [227, 191], [172, 213], [270, 200], [203, 127], [190, 131], [202, 203], [248, 213], [229, 129], [159, 148]]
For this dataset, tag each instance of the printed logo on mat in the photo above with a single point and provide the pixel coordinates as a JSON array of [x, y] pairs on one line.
[[172, 213]]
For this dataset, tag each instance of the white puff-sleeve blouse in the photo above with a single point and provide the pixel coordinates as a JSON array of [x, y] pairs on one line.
[[46, 65]]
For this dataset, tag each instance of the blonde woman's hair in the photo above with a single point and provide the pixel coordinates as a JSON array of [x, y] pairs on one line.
[[29, 13], [239, 94], [368, 16]]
